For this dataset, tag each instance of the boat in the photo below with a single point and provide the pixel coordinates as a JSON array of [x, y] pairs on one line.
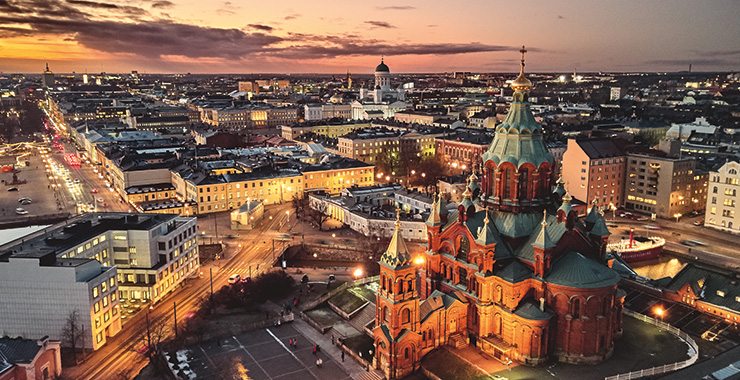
[[637, 248]]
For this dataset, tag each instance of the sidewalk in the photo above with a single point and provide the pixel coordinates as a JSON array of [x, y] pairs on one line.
[[354, 369]]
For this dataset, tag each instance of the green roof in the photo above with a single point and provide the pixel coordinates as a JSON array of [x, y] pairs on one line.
[[706, 282], [514, 272], [530, 310], [554, 231], [578, 271]]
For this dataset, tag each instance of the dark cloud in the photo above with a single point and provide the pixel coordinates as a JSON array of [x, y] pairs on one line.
[[153, 39], [313, 47], [265, 28], [162, 4], [432, 26], [561, 17], [291, 17], [93, 4], [380, 24], [396, 8], [134, 11]]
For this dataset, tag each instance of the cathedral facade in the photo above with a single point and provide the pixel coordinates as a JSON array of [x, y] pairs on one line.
[[511, 270]]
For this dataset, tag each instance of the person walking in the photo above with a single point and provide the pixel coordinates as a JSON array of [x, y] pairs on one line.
[[342, 356], [314, 348]]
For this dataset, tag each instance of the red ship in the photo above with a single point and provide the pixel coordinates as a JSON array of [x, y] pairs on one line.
[[637, 248]]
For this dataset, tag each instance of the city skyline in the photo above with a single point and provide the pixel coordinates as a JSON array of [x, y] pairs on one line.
[[294, 37]]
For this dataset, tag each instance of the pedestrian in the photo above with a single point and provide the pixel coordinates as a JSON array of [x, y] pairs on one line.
[[314, 348], [318, 348], [332, 339], [295, 342], [342, 356]]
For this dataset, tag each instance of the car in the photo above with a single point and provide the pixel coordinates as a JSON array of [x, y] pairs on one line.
[[12, 189], [25, 201], [651, 227], [234, 278], [692, 243], [77, 180], [699, 222], [642, 219], [21, 211], [94, 191]]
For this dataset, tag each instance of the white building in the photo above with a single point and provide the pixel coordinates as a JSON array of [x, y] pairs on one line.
[[683, 130], [90, 264], [723, 204], [41, 290], [381, 99]]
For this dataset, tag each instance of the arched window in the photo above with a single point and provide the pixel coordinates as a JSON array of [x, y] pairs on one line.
[[523, 183], [409, 286], [400, 287], [506, 177], [406, 353], [575, 308], [405, 316], [499, 293], [382, 282], [462, 252], [385, 314]]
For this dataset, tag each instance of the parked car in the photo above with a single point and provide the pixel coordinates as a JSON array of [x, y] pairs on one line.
[[24, 201], [699, 222], [12, 189], [21, 211], [234, 278], [693, 243]]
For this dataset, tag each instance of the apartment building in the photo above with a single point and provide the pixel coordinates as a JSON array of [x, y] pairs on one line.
[[40, 290], [313, 112], [462, 148], [723, 204], [250, 116], [367, 144], [291, 132], [665, 186], [593, 170]]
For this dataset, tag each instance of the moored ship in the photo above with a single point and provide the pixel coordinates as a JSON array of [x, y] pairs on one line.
[[637, 248]]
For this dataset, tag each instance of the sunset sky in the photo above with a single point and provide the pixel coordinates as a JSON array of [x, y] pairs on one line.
[[204, 36]]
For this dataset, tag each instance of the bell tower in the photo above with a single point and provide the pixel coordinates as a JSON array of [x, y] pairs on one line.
[[397, 310]]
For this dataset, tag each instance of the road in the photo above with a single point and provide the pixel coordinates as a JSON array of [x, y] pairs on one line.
[[120, 354]]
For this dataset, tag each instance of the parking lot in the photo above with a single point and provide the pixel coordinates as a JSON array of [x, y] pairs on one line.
[[262, 354], [725, 336], [37, 188]]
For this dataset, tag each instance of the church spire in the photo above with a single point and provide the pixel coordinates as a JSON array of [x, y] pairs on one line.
[[397, 255], [521, 83]]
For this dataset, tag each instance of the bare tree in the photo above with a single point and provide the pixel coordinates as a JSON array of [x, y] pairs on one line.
[[156, 333], [319, 214], [73, 333]]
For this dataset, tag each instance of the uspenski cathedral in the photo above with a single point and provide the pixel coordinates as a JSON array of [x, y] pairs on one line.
[[512, 271]]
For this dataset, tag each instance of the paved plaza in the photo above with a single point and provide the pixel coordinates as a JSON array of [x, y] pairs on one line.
[[263, 354]]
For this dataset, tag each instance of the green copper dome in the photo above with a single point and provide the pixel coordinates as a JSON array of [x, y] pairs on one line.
[[382, 67]]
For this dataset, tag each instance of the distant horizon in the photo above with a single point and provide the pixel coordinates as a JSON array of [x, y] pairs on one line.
[[370, 74], [290, 36]]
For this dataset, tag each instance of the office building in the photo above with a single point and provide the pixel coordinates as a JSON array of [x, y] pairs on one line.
[[723, 204]]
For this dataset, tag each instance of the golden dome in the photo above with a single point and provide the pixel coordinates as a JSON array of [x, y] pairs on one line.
[[521, 83]]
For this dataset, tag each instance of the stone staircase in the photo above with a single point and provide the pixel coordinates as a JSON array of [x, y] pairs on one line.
[[363, 317], [372, 375], [457, 340]]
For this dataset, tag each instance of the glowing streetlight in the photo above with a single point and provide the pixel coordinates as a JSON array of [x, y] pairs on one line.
[[358, 272], [333, 235], [678, 216], [387, 178], [419, 260], [423, 175], [413, 172], [659, 312]]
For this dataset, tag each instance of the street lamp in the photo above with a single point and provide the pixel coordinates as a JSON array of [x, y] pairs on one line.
[[358, 272], [659, 312], [677, 216], [419, 260]]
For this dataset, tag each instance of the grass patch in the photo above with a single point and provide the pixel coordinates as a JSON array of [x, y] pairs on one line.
[[324, 316], [361, 344], [347, 301], [448, 366]]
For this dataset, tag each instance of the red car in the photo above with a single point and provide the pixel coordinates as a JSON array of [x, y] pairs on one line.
[[94, 191]]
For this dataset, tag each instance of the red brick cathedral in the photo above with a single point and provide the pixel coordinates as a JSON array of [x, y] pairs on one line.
[[512, 271]]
